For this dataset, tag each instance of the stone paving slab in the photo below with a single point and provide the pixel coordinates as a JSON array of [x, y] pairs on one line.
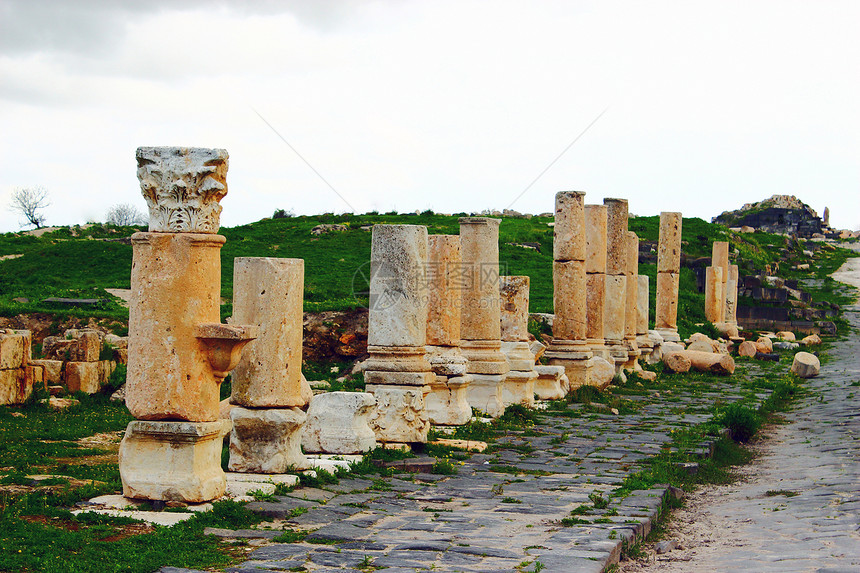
[[502, 511]]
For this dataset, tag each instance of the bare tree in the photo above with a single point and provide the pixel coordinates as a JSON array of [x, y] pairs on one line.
[[29, 201], [125, 214]]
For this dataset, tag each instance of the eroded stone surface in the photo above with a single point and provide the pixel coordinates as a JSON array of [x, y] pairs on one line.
[[443, 310], [568, 243], [400, 415], [173, 461], [514, 292], [806, 365], [268, 293], [339, 423], [266, 441], [182, 187]]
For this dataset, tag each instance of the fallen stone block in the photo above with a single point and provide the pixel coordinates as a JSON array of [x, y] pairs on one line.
[[53, 370], [806, 365], [676, 362], [15, 387], [82, 376], [11, 351], [747, 348], [339, 423], [714, 363], [764, 344], [786, 336], [811, 340], [785, 345], [600, 372]]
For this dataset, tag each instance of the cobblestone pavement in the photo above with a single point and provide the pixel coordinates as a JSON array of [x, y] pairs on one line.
[[811, 468], [502, 510]]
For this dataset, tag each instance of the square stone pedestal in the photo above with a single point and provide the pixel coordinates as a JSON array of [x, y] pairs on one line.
[[574, 356], [339, 423], [669, 334], [485, 393], [519, 388], [446, 404], [551, 383], [173, 461], [266, 440], [401, 415]]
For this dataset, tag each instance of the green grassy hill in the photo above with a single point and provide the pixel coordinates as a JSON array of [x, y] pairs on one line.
[[81, 263]]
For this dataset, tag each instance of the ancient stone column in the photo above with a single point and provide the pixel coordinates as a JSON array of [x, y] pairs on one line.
[[267, 383], [615, 312], [632, 292], [397, 372], [731, 315], [519, 386], [446, 403], [714, 308], [569, 346], [178, 352], [595, 268], [644, 339], [480, 321], [720, 258], [668, 276]]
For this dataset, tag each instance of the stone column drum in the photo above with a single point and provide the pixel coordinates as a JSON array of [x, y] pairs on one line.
[[519, 386], [267, 383], [644, 339], [630, 311], [615, 313], [595, 287], [714, 297], [480, 326], [731, 315], [668, 276], [719, 259], [569, 346], [446, 403], [397, 372], [178, 352]]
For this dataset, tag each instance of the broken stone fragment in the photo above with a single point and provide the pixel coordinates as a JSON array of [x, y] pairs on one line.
[[806, 365]]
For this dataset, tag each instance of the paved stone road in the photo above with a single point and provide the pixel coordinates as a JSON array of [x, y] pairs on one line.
[[501, 511], [814, 525]]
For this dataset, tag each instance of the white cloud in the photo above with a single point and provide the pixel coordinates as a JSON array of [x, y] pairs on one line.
[[455, 106]]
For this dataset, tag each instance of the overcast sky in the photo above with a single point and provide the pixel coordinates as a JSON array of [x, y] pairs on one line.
[[453, 106]]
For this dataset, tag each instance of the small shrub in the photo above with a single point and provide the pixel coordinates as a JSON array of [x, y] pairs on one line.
[[743, 422]]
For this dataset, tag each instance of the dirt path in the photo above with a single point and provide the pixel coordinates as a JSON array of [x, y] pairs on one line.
[[797, 507]]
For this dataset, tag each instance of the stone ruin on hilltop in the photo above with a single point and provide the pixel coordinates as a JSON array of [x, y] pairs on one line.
[[784, 214]]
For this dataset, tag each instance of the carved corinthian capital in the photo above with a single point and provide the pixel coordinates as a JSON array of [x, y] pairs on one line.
[[182, 187]]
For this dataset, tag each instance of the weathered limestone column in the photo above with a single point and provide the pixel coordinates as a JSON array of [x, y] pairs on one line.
[[719, 259], [446, 403], [569, 346], [630, 311], [480, 326], [267, 383], [178, 352], [644, 340], [397, 372], [595, 286], [668, 276], [615, 313], [714, 307], [731, 315], [519, 386]]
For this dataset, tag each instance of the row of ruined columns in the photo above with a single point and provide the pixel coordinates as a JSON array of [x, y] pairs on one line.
[[446, 333]]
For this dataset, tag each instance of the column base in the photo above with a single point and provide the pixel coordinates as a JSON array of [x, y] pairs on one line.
[[669, 334], [617, 354], [339, 423], [446, 404], [551, 383], [266, 441], [519, 388], [173, 461], [485, 394], [400, 416], [485, 357], [519, 355], [574, 356]]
